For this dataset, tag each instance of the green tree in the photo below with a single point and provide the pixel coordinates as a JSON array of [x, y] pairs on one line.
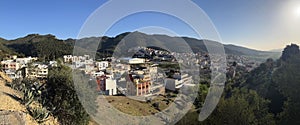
[[61, 98], [244, 107], [287, 78]]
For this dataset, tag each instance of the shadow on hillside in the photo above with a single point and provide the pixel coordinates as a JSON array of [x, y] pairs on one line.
[[13, 97], [8, 85]]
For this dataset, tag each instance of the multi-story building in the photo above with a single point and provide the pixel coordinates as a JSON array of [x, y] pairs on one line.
[[39, 71], [52, 64], [102, 65], [12, 57], [13, 75], [132, 61], [107, 85], [26, 60], [89, 66], [11, 68], [70, 58], [78, 64], [10, 65], [138, 85], [96, 74], [177, 81]]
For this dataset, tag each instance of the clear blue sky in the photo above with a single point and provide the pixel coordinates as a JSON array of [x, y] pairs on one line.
[[259, 24]]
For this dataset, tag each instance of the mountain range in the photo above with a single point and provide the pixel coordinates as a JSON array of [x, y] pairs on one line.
[[49, 47]]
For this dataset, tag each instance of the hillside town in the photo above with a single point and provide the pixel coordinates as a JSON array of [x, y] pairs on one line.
[[139, 75]]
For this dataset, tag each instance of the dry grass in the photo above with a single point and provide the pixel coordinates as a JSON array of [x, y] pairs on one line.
[[7, 103], [138, 108]]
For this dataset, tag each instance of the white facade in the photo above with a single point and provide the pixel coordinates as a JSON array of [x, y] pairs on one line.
[[132, 60], [89, 62], [53, 63], [24, 61], [177, 82], [39, 71], [96, 74], [10, 65], [78, 64], [13, 75], [70, 58], [89, 68], [111, 86], [102, 65], [120, 68]]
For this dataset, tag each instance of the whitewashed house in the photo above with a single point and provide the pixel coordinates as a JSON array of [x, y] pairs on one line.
[[102, 65]]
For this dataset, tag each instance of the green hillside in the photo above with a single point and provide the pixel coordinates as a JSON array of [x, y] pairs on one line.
[[267, 95], [48, 47], [4, 50]]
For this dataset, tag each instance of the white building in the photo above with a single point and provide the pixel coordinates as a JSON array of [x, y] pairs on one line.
[[89, 62], [25, 61], [89, 68], [107, 85], [39, 71], [53, 63], [102, 65], [78, 64], [11, 68], [70, 58], [13, 75], [10, 65], [132, 60], [96, 74], [177, 82], [13, 57], [120, 68], [111, 86]]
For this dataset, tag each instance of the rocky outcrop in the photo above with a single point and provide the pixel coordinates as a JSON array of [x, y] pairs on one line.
[[289, 51]]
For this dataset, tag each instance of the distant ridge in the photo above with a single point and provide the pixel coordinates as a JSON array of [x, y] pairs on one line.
[[49, 47], [276, 50]]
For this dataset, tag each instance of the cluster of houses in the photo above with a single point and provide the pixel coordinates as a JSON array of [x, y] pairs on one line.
[[134, 76], [128, 76], [16, 67], [137, 76]]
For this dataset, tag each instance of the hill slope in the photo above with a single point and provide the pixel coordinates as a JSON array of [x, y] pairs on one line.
[[49, 47], [278, 81], [46, 47], [7, 103], [4, 50]]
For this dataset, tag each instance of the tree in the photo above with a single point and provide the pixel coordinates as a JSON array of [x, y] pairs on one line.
[[203, 90], [244, 107], [287, 78], [290, 51], [61, 98]]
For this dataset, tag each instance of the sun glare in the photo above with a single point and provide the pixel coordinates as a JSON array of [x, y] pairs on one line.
[[297, 11]]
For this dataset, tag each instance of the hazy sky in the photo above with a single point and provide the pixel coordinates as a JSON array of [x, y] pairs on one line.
[[258, 24]]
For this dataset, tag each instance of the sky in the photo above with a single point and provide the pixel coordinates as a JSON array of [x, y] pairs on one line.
[[257, 24]]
